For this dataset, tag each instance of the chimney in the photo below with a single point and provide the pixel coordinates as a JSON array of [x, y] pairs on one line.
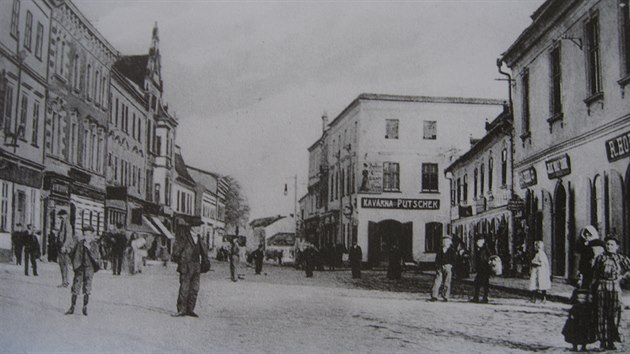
[[324, 122]]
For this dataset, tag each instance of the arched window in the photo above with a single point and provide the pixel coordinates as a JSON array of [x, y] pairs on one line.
[[465, 189], [75, 72], [88, 81], [490, 174], [481, 180], [475, 183], [504, 167]]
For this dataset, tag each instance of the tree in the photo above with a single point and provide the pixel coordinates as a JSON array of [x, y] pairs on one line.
[[236, 207]]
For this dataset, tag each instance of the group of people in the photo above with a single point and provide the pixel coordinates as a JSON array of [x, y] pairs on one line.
[[26, 244], [596, 311]]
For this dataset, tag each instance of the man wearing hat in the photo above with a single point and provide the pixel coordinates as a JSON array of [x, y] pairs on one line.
[[444, 261], [191, 254], [65, 240], [85, 257], [482, 265]]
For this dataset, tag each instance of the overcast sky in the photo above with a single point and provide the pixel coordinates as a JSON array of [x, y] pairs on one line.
[[249, 81]]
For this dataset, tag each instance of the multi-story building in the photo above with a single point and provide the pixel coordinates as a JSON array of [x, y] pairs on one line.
[[24, 39], [206, 204], [183, 194], [571, 70], [481, 190], [380, 171], [77, 119]]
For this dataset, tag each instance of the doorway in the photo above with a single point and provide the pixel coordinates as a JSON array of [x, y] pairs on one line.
[[559, 232]]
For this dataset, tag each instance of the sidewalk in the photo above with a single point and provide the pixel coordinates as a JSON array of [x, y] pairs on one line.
[[560, 291]]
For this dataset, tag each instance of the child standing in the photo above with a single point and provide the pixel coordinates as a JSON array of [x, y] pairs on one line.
[[578, 327]]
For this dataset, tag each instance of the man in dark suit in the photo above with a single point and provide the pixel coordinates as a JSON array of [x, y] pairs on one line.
[[17, 238], [191, 255], [31, 250], [258, 255], [355, 256], [119, 243], [482, 265]]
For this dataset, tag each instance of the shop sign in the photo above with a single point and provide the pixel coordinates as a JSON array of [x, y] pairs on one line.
[[516, 205], [371, 178], [60, 189], [399, 203], [618, 147], [558, 167], [528, 177]]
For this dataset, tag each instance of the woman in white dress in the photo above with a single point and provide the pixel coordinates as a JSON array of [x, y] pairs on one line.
[[540, 274]]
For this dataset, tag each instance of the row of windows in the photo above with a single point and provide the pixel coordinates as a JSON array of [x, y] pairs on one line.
[[184, 202], [429, 129], [209, 211], [125, 173], [460, 186], [28, 117], [120, 119]]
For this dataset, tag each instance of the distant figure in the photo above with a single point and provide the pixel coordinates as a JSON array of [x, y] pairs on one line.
[[355, 257], [444, 260], [52, 247], [309, 260], [65, 243], [482, 279], [17, 238], [394, 266], [32, 250], [163, 251], [258, 255], [191, 255], [135, 255], [540, 274], [105, 246], [233, 256], [85, 262], [119, 244]]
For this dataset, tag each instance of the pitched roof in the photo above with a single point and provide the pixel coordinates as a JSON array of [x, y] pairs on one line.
[[182, 172], [264, 222], [134, 67], [281, 239]]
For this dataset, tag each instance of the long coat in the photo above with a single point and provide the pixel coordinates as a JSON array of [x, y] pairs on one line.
[[91, 253], [189, 259], [539, 277]]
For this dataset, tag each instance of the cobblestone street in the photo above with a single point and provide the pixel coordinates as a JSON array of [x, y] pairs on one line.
[[279, 312]]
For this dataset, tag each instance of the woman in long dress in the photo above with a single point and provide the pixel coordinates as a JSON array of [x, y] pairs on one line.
[[540, 275], [137, 253], [608, 270]]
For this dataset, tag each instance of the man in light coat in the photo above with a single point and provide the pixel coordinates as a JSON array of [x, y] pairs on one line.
[[191, 254], [65, 241], [85, 258], [444, 260]]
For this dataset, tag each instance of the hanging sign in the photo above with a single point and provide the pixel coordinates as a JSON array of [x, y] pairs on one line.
[[528, 177], [558, 167]]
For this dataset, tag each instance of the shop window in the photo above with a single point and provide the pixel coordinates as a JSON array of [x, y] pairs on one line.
[[433, 235]]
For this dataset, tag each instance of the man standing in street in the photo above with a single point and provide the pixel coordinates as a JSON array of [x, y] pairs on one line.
[[31, 250], [444, 261], [65, 240], [258, 255], [233, 255], [85, 260], [119, 243], [355, 256], [17, 238], [482, 265], [191, 254]]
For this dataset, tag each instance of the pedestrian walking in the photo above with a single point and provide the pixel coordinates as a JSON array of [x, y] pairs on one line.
[[164, 253], [588, 246], [105, 247], [118, 248], [445, 259], [482, 266], [578, 328], [135, 253], [85, 260], [233, 256], [309, 260], [52, 247], [540, 274], [191, 255], [394, 265], [355, 256], [65, 243], [32, 251], [257, 256], [608, 270], [17, 239]]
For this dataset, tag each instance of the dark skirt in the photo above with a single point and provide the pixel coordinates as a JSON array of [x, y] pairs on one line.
[[578, 329]]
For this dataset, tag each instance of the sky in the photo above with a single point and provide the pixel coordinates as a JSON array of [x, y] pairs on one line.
[[250, 80]]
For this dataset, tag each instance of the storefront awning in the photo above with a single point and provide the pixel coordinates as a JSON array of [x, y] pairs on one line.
[[163, 230], [146, 227]]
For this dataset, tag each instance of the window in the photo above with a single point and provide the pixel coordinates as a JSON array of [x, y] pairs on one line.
[[490, 167], [4, 206], [21, 128], [624, 6], [116, 168], [465, 189], [75, 72], [593, 63], [8, 109], [459, 190], [15, 17], [28, 31], [157, 193], [481, 180], [391, 129], [95, 88], [86, 148], [35, 124], [391, 176], [88, 80], [39, 41], [556, 80], [430, 130], [429, 177], [504, 167], [433, 235], [476, 176], [525, 103], [343, 183], [116, 116], [74, 134], [62, 58]]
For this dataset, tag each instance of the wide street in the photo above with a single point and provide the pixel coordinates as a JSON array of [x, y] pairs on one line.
[[279, 312]]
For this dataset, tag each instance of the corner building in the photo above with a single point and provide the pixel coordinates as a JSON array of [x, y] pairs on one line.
[[571, 71], [376, 174]]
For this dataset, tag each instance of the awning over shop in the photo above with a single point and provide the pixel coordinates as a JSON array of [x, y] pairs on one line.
[[163, 229], [145, 227]]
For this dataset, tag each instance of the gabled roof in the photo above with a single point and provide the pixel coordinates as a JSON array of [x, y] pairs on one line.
[[134, 67], [182, 172], [264, 222], [281, 239]]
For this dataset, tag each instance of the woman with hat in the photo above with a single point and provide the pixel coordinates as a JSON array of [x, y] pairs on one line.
[[608, 270], [540, 275], [588, 246]]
